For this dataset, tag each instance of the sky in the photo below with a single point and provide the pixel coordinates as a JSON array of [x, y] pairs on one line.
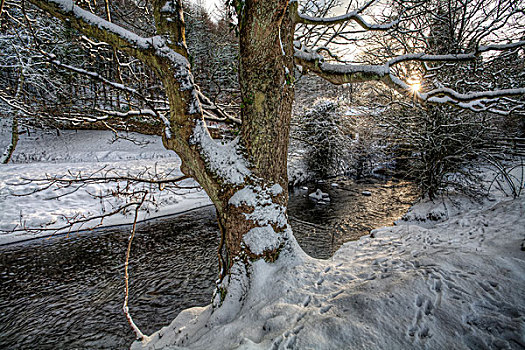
[[210, 4]]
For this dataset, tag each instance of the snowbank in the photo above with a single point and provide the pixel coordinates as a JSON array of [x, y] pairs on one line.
[[457, 283], [40, 154]]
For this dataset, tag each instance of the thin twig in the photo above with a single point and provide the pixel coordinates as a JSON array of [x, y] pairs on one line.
[[125, 308]]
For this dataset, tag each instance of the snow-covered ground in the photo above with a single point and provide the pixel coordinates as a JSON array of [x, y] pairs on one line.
[[457, 283], [41, 154]]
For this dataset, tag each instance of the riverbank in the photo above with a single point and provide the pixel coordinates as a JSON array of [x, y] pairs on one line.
[[84, 153], [44, 154], [173, 262], [451, 275]]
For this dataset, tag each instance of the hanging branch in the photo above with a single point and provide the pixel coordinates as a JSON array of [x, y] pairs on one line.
[[125, 308], [65, 185]]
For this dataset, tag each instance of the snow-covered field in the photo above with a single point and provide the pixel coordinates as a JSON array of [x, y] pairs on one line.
[[454, 284], [41, 154]]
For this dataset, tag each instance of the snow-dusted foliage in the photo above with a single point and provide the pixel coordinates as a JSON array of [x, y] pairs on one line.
[[25, 74], [333, 138], [213, 51], [54, 76]]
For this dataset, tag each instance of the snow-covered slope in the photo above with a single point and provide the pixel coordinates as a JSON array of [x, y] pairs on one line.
[[457, 284], [85, 152]]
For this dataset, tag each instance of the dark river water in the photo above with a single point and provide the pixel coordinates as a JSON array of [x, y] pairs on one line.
[[67, 292]]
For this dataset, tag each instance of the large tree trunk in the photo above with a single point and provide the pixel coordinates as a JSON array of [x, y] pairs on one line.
[[251, 206], [266, 66]]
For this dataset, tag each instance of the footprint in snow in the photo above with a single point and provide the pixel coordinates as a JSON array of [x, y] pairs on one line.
[[424, 308], [306, 301], [489, 287], [320, 281], [325, 309], [287, 340]]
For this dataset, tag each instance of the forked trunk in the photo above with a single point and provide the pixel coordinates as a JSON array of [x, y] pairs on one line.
[[246, 179]]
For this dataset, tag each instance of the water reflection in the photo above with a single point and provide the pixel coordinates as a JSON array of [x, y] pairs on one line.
[[322, 228]]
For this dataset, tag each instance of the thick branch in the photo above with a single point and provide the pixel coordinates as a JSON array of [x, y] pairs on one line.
[[339, 73], [96, 27], [353, 73], [154, 51], [168, 59]]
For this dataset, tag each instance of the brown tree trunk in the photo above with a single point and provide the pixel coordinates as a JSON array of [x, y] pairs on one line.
[[266, 79], [266, 69]]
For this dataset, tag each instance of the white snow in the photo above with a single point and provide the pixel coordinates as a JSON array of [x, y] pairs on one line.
[[42, 154], [268, 214], [319, 195], [264, 210], [251, 196], [224, 159], [454, 283], [260, 239], [168, 7], [451, 275], [255, 195]]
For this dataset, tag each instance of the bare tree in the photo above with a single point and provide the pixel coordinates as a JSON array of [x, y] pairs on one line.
[[246, 178]]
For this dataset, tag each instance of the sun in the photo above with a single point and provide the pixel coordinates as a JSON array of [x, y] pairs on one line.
[[415, 87], [415, 84]]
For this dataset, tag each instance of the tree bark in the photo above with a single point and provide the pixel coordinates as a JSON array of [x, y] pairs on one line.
[[266, 68], [267, 91]]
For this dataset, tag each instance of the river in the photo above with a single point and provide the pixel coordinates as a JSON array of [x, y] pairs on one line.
[[67, 291]]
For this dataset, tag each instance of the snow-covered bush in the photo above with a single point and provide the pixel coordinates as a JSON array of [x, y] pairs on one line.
[[368, 152], [439, 147], [326, 139], [333, 139]]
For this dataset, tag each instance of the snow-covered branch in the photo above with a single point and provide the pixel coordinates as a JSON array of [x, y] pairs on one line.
[[354, 16], [312, 61], [157, 52], [423, 57], [103, 30], [93, 75]]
